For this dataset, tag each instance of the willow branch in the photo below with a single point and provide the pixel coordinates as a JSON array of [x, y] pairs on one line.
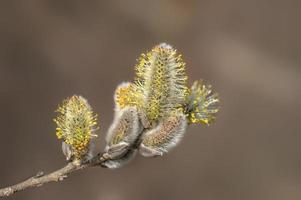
[[56, 176]]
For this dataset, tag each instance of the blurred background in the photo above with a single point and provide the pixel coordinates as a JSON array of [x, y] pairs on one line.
[[249, 50]]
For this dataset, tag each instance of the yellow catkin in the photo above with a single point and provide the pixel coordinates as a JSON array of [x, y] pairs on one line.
[[160, 83], [76, 124]]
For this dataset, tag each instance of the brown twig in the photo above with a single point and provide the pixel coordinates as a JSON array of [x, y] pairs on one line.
[[58, 175]]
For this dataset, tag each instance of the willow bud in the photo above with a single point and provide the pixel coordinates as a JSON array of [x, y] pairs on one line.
[[123, 132], [76, 125], [164, 137], [119, 162]]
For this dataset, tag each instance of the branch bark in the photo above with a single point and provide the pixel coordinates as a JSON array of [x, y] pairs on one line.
[[56, 176]]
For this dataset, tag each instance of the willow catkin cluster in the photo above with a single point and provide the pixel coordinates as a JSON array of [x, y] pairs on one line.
[[164, 106]]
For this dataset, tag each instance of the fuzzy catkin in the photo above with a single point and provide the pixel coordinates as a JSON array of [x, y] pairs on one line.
[[165, 136], [76, 125], [123, 132]]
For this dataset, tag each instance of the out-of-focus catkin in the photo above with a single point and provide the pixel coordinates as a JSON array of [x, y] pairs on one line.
[[202, 103]]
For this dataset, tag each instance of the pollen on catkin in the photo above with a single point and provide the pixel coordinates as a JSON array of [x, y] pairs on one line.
[[125, 95], [76, 125], [202, 103]]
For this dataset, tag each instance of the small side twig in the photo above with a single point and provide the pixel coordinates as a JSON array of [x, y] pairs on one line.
[[59, 175]]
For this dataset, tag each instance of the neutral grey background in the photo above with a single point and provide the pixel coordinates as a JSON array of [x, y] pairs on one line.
[[249, 50]]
